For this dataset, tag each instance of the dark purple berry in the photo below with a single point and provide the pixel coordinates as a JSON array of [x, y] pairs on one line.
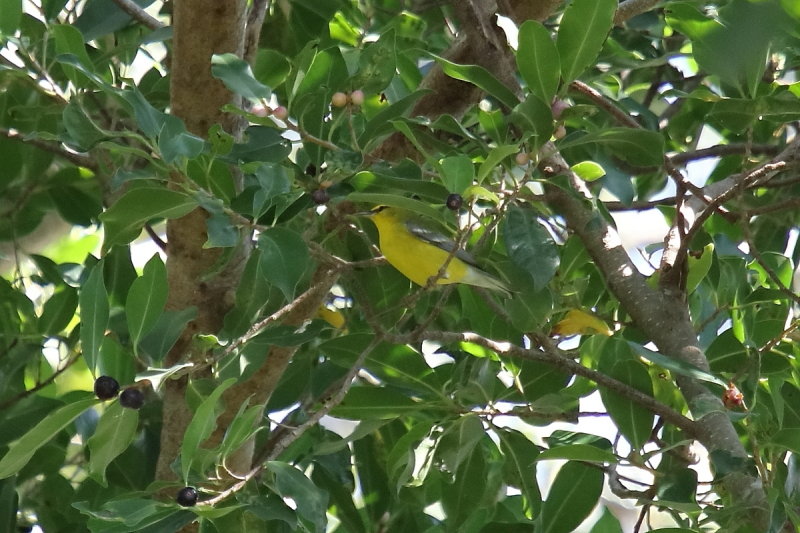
[[187, 497], [131, 398], [320, 197], [106, 387], [454, 202]]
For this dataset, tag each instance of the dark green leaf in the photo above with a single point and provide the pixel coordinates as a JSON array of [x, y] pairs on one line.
[[634, 421], [235, 73], [480, 77], [271, 67], [146, 299], [538, 61], [637, 146], [10, 15], [530, 246], [572, 496], [675, 365], [23, 449], [284, 258], [583, 30], [203, 423], [165, 333], [94, 315], [58, 311], [114, 433], [534, 118], [175, 142], [459, 440], [578, 452], [83, 133], [123, 221], [458, 173], [311, 501], [364, 403]]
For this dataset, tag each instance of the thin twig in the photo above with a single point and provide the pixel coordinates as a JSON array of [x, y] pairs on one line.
[[39, 386], [155, 237], [140, 15], [721, 150], [559, 361], [81, 160]]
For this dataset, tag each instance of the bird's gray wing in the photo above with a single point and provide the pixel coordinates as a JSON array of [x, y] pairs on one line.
[[439, 240]]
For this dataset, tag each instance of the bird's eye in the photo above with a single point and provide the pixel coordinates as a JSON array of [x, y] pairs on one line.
[[379, 208]]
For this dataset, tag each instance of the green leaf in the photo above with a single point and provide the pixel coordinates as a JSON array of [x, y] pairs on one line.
[[574, 493], [538, 61], [674, 365], [271, 67], [588, 170], [634, 421], [636, 146], [530, 246], [583, 30], [495, 156], [787, 438], [242, 427], [327, 70], [535, 118], [203, 423], [262, 144], [377, 65], [23, 449], [174, 142], [69, 40], [459, 440], [311, 501], [481, 78], [731, 47], [699, 267], [150, 119], [114, 433], [520, 466], [10, 16], [146, 299], [82, 132], [363, 403], [58, 311], [458, 173], [727, 353], [284, 258], [165, 333], [735, 114], [123, 221], [468, 491], [578, 452], [235, 73], [94, 315]]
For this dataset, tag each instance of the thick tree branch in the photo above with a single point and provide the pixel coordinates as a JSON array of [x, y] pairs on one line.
[[197, 97], [664, 319]]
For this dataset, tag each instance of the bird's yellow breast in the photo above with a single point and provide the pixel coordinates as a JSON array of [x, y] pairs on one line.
[[414, 258]]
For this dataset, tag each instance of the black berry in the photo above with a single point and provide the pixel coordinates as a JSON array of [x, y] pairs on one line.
[[131, 398], [454, 202], [106, 387], [320, 197], [187, 497]]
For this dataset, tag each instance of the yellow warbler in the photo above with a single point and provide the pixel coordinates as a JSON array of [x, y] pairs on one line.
[[419, 252]]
